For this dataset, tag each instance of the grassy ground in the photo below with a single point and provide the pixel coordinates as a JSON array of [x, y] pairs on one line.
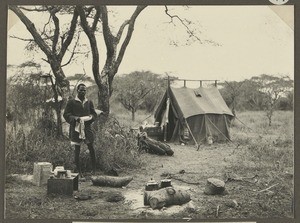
[[263, 154]]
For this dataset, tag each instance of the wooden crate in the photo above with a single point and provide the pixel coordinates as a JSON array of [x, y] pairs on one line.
[[41, 173], [154, 132], [63, 186]]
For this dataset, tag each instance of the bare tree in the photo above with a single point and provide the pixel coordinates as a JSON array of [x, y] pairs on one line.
[[54, 43], [114, 57], [234, 91], [135, 88], [104, 78]]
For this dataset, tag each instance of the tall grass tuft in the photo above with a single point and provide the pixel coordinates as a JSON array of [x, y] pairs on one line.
[[264, 150], [24, 147]]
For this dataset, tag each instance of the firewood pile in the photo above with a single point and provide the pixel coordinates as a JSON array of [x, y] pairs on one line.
[[165, 197], [158, 196]]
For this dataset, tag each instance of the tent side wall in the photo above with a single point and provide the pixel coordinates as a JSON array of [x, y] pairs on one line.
[[218, 127], [203, 126]]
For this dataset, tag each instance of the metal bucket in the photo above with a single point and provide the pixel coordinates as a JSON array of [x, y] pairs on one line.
[[151, 185], [165, 183]]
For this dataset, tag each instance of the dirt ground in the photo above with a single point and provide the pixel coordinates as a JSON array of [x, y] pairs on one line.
[[244, 198]]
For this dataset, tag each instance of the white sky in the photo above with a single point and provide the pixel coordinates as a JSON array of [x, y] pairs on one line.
[[253, 40]]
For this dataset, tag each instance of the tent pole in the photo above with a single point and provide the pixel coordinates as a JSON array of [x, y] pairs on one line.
[[167, 110], [187, 125], [165, 133], [219, 130]]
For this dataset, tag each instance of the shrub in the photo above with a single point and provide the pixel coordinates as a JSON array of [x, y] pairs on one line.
[[116, 146]]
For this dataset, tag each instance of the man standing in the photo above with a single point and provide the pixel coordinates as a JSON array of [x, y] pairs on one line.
[[80, 114]]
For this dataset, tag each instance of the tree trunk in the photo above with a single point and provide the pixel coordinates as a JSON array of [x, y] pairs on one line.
[[57, 105], [103, 102], [133, 114], [103, 99], [166, 197], [59, 121], [110, 181], [269, 115]]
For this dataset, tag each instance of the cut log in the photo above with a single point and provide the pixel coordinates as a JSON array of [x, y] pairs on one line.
[[109, 181], [166, 197], [214, 186], [155, 147]]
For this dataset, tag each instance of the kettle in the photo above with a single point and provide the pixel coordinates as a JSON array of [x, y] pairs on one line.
[[151, 185], [57, 170]]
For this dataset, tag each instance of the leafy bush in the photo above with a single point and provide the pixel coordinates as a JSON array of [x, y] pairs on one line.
[[116, 146]]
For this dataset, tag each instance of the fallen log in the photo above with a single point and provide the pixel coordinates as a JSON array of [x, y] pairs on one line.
[[155, 147], [214, 186], [165, 197], [109, 181]]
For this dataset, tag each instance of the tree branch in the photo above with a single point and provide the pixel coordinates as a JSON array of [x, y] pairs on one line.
[[93, 43], [72, 52], [96, 19], [89, 10], [31, 28], [52, 12], [108, 37], [47, 61], [44, 28], [70, 36], [19, 38], [120, 32], [135, 14], [35, 9], [189, 31]]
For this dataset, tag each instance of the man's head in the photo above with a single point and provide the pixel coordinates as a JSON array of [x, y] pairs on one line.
[[81, 91]]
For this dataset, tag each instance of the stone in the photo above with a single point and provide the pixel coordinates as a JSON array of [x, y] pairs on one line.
[[41, 173], [214, 186]]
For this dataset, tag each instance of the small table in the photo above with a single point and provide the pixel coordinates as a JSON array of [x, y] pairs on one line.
[[63, 186]]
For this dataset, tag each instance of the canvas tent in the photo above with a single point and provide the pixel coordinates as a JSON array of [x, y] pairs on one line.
[[202, 111]]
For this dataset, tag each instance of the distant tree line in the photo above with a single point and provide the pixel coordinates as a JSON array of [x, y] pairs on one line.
[[260, 93], [138, 90], [29, 94]]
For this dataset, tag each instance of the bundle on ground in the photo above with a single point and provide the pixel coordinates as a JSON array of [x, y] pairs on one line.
[[154, 146]]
